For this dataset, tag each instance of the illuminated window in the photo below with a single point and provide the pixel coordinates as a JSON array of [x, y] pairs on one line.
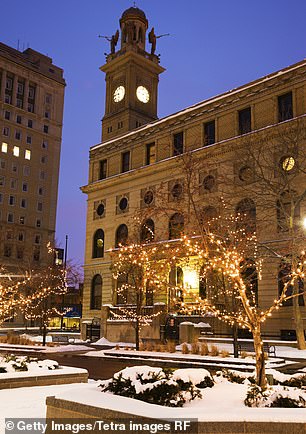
[[27, 155], [4, 147], [16, 151]]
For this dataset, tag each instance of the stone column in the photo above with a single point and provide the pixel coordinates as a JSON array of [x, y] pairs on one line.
[[14, 91]]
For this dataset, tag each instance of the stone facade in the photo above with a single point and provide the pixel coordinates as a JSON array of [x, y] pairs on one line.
[[218, 133]]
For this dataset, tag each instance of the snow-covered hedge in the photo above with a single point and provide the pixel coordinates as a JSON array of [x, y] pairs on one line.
[[276, 396], [158, 386], [12, 363]]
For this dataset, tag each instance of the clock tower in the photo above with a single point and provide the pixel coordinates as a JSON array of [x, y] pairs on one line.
[[131, 77]]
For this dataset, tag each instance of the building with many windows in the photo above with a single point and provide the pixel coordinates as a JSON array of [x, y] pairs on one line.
[[31, 118], [138, 166]]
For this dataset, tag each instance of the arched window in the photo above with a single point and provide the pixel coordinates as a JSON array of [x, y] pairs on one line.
[[121, 235], [98, 244], [284, 275], [246, 215], [147, 231], [176, 226], [96, 292], [250, 279], [288, 211], [140, 35], [122, 289]]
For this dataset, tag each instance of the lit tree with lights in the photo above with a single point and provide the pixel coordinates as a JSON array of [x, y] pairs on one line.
[[143, 272]]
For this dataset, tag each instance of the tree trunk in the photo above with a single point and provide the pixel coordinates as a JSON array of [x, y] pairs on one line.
[[235, 339], [137, 334], [261, 379], [299, 327], [44, 334]]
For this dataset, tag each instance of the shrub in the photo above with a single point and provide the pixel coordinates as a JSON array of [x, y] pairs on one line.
[[195, 348], [152, 385], [244, 354], [171, 347], [204, 349], [214, 350], [281, 397], [185, 348], [224, 353]]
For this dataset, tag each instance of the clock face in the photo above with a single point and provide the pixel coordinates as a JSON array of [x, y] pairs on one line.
[[142, 94], [119, 94]]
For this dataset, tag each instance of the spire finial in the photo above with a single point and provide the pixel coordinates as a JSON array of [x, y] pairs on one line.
[[134, 3]]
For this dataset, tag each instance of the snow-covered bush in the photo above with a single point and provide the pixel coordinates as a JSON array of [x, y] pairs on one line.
[[275, 397], [158, 386], [295, 380], [12, 363], [237, 376]]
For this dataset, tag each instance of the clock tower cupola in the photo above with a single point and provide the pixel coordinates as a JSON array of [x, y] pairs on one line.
[[131, 76]]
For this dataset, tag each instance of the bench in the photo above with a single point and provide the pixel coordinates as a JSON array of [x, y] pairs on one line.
[[63, 339], [249, 347]]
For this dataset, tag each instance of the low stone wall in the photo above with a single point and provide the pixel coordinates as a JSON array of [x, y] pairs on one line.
[[44, 380], [63, 409]]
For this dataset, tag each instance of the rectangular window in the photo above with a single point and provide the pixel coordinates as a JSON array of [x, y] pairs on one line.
[[26, 170], [38, 223], [48, 98], [19, 253], [9, 83], [30, 107], [244, 119], [7, 115], [47, 114], [27, 154], [1, 197], [24, 186], [39, 206], [11, 200], [16, 151], [46, 129], [10, 217], [285, 107], [37, 239], [2, 164], [150, 153], [178, 143], [4, 147], [42, 174], [30, 123], [17, 135], [31, 92], [36, 254], [43, 159], [13, 184], [40, 191], [6, 131], [44, 144], [2, 180], [8, 99], [125, 162], [23, 203], [19, 103], [209, 133], [18, 119], [29, 140], [21, 220], [103, 169], [14, 167], [20, 88]]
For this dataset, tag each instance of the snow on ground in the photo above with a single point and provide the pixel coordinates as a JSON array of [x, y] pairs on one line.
[[223, 402], [30, 402]]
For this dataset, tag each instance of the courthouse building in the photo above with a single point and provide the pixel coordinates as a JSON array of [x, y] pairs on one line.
[[140, 157]]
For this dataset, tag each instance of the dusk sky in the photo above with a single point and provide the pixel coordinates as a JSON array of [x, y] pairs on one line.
[[213, 46]]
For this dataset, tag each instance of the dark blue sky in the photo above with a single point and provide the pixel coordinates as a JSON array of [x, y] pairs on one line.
[[215, 45]]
